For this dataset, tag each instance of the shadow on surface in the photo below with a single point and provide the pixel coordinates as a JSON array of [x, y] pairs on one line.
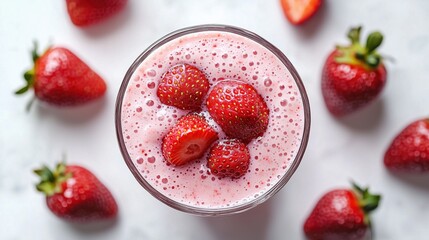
[[73, 115], [370, 233], [312, 26], [109, 25], [252, 224], [366, 119], [94, 228], [416, 180]]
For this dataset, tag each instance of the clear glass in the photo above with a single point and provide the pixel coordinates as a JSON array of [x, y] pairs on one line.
[[201, 210]]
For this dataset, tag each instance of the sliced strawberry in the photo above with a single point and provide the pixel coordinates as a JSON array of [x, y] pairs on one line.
[[409, 151], [298, 11], [183, 86], [229, 158], [188, 140], [239, 109], [87, 12]]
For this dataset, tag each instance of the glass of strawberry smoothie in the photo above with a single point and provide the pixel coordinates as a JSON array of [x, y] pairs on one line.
[[221, 52]]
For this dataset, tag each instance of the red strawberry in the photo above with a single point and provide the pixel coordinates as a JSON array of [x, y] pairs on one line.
[[61, 78], [87, 12], [183, 86], [341, 214], [409, 151], [299, 11], [239, 109], [229, 158], [353, 76], [188, 140], [73, 193]]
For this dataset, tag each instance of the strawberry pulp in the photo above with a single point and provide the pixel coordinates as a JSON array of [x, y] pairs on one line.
[[220, 55]]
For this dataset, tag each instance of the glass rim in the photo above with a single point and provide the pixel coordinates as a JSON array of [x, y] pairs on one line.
[[203, 211]]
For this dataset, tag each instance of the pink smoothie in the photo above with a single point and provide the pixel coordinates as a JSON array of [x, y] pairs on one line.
[[221, 55]]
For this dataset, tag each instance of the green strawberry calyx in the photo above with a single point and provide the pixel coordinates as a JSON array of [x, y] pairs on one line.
[[368, 202], [29, 75], [51, 181], [359, 54]]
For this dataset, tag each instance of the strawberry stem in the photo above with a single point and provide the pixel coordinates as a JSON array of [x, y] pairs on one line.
[[51, 181], [367, 201], [29, 75], [354, 35], [35, 55], [357, 53]]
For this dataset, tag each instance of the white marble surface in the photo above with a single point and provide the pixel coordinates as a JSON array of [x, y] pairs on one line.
[[339, 150]]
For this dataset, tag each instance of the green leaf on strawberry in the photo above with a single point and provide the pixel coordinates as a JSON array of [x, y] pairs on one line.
[[368, 202], [51, 181], [29, 74], [358, 54]]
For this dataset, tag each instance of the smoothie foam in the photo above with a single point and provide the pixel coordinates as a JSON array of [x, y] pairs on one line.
[[220, 55]]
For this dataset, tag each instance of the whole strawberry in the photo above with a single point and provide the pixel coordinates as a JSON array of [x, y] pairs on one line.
[[183, 86], [74, 194], [188, 140], [88, 12], [409, 150], [61, 78], [229, 158], [354, 75], [341, 214], [238, 109]]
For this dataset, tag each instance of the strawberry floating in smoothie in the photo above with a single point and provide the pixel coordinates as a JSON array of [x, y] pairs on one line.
[[188, 140], [229, 158], [183, 86], [239, 109]]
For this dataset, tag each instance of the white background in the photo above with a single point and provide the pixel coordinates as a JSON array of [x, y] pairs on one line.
[[339, 150]]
